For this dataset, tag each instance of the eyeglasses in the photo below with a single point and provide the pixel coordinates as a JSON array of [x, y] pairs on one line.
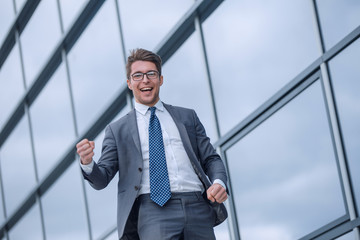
[[140, 76]]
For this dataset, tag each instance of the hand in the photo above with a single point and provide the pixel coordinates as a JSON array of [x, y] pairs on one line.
[[216, 193], [85, 149]]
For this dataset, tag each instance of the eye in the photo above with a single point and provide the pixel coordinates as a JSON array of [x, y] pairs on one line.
[[151, 74], [137, 76]]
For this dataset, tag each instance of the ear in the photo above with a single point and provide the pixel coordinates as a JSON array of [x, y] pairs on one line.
[[129, 84], [161, 80]]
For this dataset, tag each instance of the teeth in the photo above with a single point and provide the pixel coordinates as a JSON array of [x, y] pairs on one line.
[[146, 89]]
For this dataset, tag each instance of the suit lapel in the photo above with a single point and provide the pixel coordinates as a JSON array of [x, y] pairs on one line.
[[133, 128], [183, 132], [187, 145]]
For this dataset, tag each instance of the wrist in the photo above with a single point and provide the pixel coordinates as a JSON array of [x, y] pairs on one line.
[[87, 168], [218, 181], [85, 162]]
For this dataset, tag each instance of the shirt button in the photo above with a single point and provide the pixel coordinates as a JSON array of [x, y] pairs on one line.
[[140, 169]]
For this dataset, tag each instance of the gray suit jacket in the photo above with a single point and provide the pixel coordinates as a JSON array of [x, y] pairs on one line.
[[121, 153]]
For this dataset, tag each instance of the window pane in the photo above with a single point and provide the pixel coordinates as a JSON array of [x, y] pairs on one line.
[[338, 18], [19, 5], [186, 84], [284, 172], [40, 38], [348, 236], [17, 166], [97, 66], [70, 10], [146, 23], [254, 49], [345, 74], [64, 207], [6, 18], [222, 231], [11, 85], [29, 226], [113, 236], [53, 125], [107, 197]]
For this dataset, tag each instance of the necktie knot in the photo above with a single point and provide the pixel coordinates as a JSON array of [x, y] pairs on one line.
[[152, 110]]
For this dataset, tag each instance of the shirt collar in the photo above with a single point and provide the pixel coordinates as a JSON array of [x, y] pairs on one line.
[[141, 108]]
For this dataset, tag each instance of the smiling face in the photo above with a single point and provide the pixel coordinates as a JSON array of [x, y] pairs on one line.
[[145, 91]]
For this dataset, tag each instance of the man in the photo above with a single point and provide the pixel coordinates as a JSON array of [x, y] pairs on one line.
[[172, 183]]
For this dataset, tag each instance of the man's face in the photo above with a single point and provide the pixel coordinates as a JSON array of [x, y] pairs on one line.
[[146, 91]]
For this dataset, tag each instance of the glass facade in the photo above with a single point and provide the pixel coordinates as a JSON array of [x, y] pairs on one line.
[[275, 83], [345, 79], [298, 172], [39, 38]]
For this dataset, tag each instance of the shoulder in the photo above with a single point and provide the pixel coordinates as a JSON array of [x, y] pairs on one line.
[[123, 121], [185, 115], [179, 109]]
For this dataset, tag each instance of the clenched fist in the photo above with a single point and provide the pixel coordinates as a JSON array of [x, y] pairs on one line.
[[216, 193], [85, 149]]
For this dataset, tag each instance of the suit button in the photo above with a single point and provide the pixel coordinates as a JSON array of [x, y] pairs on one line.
[[136, 188], [140, 169]]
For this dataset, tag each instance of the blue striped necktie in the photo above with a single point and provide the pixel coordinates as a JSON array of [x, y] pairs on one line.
[[159, 178]]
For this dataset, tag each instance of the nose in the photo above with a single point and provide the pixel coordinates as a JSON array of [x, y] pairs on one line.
[[145, 78]]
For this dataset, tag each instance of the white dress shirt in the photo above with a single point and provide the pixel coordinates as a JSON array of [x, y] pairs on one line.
[[182, 175]]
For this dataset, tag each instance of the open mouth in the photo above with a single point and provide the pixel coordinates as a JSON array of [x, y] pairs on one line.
[[147, 89]]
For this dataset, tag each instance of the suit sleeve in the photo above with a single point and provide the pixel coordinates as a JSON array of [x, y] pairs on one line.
[[210, 161], [107, 166]]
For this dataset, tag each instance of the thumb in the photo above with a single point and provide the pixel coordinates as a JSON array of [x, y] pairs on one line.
[[92, 144]]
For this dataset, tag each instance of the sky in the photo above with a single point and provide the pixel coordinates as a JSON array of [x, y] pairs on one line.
[[285, 167]]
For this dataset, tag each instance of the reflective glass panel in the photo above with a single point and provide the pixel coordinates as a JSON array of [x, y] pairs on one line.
[[19, 4], [39, 38], [284, 173], [254, 49], [29, 226], [17, 166], [337, 18], [107, 197], [64, 207], [186, 83], [112, 236], [146, 23], [6, 18], [11, 85], [70, 10], [222, 230], [52, 121], [348, 236], [345, 75], [97, 66]]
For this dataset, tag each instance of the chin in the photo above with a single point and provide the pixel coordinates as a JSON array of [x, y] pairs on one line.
[[149, 101]]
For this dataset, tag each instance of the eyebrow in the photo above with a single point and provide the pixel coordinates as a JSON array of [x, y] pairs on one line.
[[145, 72]]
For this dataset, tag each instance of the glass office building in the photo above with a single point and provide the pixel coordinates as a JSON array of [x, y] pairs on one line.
[[275, 83]]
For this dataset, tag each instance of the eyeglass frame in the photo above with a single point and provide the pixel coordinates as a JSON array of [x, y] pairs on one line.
[[142, 78]]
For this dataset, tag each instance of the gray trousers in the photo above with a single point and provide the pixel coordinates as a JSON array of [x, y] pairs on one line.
[[185, 216]]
